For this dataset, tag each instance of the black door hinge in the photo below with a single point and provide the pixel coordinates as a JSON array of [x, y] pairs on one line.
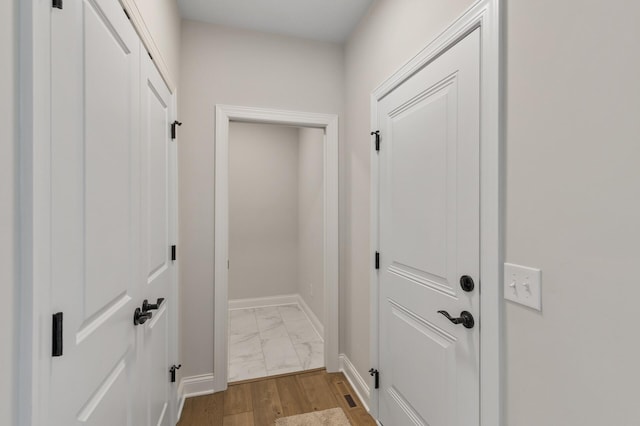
[[376, 375], [173, 370], [126, 13], [56, 4], [56, 332], [173, 128], [377, 260], [173, 253], [377, 133]]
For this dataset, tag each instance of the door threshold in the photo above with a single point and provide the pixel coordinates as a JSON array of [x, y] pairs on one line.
[[277, 376]]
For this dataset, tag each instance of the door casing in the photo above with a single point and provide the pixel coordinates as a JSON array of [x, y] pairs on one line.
[[328, 122], [485, 15]]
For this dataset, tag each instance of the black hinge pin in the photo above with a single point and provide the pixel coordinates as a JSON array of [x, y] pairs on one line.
[[56, 341], [56, 4], [377, 134], [173, 253], [126, 13], [377, 260], [376, 375], [173, 128], [172, 371]]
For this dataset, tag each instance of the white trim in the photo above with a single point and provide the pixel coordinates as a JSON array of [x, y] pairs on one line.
[[315, 321], [193, 386], [486, 15], [148, 42], [328, 122], [180, 405], [287, 299], [261, 302], [358, 384], [196, 386]]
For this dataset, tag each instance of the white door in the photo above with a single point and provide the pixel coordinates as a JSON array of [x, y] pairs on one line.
[[429, 239], [110, 174], [157, 238]]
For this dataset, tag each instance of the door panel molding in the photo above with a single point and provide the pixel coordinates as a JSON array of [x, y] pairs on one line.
[[486, 16], [328, 122]]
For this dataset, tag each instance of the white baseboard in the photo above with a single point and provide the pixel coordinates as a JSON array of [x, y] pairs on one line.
[[317, 324], [358, 384], [194, 386], [287, 299], [261, 302]]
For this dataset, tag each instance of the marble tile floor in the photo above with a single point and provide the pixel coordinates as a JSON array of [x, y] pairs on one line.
[[272, 340]]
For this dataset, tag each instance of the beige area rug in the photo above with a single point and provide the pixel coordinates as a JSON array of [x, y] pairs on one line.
[[332, 417]]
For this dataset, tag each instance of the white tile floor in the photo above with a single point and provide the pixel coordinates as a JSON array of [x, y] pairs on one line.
[[272, 340]]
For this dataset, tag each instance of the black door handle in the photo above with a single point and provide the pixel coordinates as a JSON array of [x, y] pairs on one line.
[[146, 306], [465, 318], [466, 282], [140, 317]]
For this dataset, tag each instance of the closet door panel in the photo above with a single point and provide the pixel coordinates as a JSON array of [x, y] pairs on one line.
[[156, 179], [95, 186]]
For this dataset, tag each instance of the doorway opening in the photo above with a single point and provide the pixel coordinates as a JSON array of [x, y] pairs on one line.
[[276, 258], [276, 243]]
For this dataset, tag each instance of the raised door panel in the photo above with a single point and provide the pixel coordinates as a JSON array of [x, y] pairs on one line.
[[422, 184]]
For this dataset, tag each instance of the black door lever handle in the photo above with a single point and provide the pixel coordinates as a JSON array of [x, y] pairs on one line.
[[140, 317], [465, 318], [146, 306]]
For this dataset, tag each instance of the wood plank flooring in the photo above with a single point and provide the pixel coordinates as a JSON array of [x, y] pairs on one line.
[[260, 402]]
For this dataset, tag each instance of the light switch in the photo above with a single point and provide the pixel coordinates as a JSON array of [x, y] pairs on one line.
[[522, 285]]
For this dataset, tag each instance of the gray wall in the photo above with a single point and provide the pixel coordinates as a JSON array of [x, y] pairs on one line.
[[226, 66], [572, 196], [263, 210], [573, 210], [311, 219], [8, 211]]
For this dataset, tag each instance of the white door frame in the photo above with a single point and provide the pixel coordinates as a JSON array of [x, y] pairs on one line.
[[328, 122], [485, 15]]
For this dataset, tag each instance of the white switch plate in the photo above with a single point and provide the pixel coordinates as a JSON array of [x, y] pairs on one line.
[[522, 285]]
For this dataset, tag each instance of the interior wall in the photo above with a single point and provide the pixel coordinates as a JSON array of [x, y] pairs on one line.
[[263, 210], [310, 176], [8, 212], [573, 210], [226, 66], [572, 205], [163, 21]]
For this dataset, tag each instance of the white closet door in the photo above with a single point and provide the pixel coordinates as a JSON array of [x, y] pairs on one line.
[[157, 220], [95, 221], [430, 240]]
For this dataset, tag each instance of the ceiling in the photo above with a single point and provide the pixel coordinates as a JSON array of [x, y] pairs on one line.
[[326, 20]]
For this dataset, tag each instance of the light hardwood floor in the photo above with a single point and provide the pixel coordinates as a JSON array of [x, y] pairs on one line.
[[260, 402]]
